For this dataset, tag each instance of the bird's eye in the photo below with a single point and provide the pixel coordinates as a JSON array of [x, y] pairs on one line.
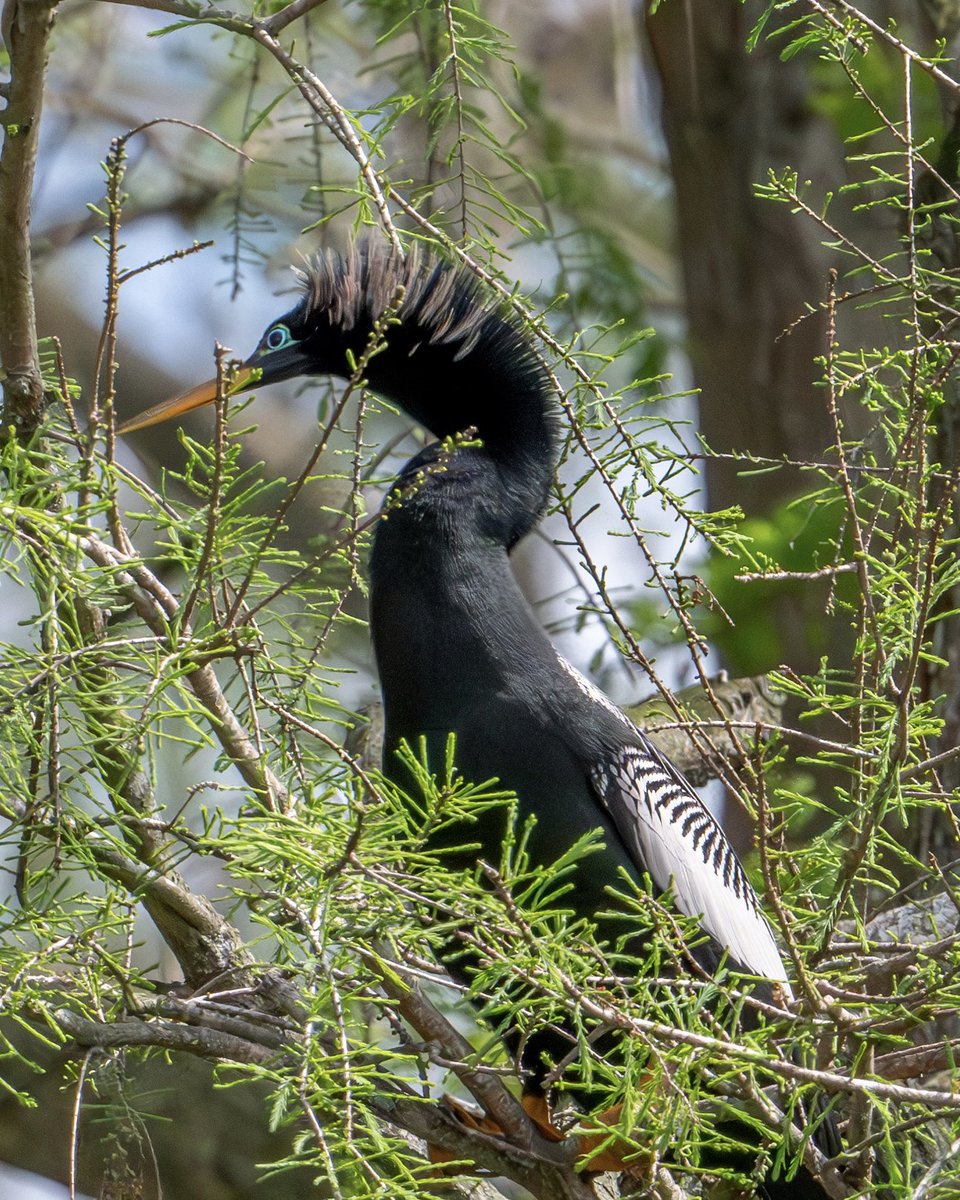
[[278, 337]]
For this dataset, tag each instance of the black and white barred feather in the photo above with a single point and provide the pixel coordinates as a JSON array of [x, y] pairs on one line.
[[687, 854], [674, 837]]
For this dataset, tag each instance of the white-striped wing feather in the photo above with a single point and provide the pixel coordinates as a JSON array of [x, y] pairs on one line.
[[685, 851]]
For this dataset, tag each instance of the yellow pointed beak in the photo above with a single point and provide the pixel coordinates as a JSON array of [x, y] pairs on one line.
[[195, 397]]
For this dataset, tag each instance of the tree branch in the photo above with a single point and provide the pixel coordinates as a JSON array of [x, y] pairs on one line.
[[545, 1168], [168, 1035], [26, 26]]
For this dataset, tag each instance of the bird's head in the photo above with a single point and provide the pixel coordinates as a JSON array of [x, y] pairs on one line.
[[326, 333], [423, 334], [301, 342]]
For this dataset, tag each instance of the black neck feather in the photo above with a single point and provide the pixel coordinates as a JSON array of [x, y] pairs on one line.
[[446, 614], [450, 356]]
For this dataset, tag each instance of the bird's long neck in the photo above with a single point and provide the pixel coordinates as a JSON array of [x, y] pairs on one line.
[[471, 406], [462, 369], [444, 610], [447, 617], [445, 350], [444, 604]]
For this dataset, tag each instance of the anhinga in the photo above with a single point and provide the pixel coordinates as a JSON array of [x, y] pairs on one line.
[[457, 646]]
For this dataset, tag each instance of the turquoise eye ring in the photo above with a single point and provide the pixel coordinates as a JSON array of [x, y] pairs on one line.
[[278, 337]]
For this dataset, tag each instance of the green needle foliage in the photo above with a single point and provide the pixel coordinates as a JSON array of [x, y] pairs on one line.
[[194, 863]]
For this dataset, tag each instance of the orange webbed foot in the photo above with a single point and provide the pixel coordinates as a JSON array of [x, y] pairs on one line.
[[468, 1116], [600, 1151], [605, 1152]]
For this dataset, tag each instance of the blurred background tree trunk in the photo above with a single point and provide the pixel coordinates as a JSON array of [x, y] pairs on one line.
[[750, 267], [750, 271]]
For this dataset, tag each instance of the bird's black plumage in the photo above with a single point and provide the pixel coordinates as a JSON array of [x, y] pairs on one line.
[[457, 647]]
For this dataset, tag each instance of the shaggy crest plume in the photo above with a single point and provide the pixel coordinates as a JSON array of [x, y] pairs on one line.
[[445, 301]]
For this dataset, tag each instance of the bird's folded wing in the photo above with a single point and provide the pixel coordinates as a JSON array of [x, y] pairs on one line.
[[676, 839]]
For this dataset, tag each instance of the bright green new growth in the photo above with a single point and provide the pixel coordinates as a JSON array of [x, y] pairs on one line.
[[172, 717]]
